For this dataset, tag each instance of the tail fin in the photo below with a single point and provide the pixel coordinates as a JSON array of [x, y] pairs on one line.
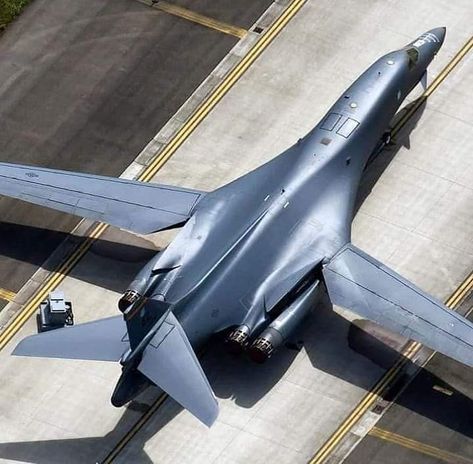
[[141, 318], [170, 362], [102, 340], [167, 358]]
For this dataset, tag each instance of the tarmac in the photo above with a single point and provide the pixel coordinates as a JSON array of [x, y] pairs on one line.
[[414, 215]]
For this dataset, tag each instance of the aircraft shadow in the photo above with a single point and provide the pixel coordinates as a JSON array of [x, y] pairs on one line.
[[80, 450], [19, 241], [331, 341], [379, 163], [131, 253], [229, 375]]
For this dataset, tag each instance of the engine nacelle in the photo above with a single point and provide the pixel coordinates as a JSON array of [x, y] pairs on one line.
[[142, 283], [284, 325]]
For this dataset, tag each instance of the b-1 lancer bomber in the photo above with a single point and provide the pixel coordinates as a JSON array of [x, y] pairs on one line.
[[251, 258]]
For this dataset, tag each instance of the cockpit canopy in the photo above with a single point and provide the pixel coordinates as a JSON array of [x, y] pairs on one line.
[[413, 55]]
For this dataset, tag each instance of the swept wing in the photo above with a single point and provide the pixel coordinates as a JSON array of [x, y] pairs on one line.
[[359, 282], [136, 206]]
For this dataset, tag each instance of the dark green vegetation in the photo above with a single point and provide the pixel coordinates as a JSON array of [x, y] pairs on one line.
[[9, 9]]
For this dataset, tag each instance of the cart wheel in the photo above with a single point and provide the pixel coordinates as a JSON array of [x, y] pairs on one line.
[[38, 323]]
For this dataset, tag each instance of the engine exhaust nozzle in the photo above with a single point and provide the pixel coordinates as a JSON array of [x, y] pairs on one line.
[[238, 339], [284, 325], [129, 298]]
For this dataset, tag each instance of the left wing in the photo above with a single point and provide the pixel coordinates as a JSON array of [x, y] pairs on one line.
[[101, 340], [359, 282], [136, 206]]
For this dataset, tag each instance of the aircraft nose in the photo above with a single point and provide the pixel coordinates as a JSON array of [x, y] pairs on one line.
[[439, 33], [434, 37], [429, 43]]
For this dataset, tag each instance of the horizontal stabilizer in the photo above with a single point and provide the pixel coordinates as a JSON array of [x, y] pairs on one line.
[[102, 340], [137, 206], [359, 282], [170, 362]]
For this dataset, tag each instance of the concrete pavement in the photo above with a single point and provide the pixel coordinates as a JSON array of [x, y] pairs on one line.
[[284, 410]]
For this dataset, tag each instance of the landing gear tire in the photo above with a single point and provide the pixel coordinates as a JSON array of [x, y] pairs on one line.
[[387, 138]]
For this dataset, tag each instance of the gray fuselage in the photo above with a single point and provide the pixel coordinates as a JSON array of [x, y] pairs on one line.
[[248, 242]]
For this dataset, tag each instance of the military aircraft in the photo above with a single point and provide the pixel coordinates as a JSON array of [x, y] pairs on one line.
[[252, 257]]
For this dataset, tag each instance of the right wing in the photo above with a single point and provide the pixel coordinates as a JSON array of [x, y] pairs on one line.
[[359, 282], [136, 206]]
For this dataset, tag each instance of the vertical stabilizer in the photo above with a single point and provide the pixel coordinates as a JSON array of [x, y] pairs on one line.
[[170, 362]]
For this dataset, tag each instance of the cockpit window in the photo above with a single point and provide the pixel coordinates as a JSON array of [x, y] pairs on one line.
[[413, 55], [348, 127], [331, 121]]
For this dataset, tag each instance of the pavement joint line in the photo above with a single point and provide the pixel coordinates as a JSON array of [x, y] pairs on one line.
[[51, 282], [419, 447], [220, 92], [452, 302], [56, 277], [197, 18], [7, 295], [382, 384], [380, 387], [139, 424]]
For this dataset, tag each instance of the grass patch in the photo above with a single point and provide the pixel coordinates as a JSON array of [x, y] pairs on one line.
[[9, 10]]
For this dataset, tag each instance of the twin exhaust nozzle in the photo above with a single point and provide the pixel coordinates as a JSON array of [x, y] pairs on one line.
[[259, 350], [280, 329]]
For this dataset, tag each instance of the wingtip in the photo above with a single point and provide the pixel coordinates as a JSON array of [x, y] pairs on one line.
[[210, 419], [20, 347]]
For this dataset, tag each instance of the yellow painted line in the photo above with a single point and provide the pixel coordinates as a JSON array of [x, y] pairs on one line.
[[197, 18], [7, 294], [377, 391], [266, 39], [50, 283], [419, 447], [412, 348], [462, 291], [228, 83]]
